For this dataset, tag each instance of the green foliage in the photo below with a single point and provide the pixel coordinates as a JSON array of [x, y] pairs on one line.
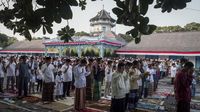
[[6, 40], [82, 33], [73, 53], [192, 27], [66, 33], [132, 13], [187, 28], [90, 52], [25, 16], [37, 38], [168, 5]]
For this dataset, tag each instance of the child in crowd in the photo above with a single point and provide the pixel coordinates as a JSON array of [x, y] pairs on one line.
[[39, 79], [32, 82], [59, 85], [193, 86]]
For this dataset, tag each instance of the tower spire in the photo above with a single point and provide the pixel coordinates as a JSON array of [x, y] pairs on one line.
[[103, 7]]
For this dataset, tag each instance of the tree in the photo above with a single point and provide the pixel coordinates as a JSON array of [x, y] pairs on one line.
[[6, 40], [25, 16], [37, 38], [167, 29], [192, 26], [66, 33], [82, 33], [187, 28]]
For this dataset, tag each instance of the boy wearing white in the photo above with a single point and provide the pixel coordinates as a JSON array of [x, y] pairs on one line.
[[67, 77], [108, 78], [11, 73], [59, 85], [173, 71]]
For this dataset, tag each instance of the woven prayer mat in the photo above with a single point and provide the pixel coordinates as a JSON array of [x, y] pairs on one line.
[[55, 106], [7, 95], [101, 105], [87, 109]]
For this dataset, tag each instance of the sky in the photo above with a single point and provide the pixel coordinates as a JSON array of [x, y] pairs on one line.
[[81, 18]]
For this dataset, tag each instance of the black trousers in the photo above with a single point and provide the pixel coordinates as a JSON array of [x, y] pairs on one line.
[[17, 82], [126, 101], [172, 80], [1, 84], [23, 86], [10, 79], [39, 85], [117, 105], [66, 88], [145, 92], [183, 106]]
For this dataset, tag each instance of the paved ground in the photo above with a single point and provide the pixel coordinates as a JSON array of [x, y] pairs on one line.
[[159, 100]]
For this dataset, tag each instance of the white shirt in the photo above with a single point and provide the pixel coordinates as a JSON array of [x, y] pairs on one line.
[[40, 75], [59, 85], [118, 86], [173, 71], [108, 74], [67, 73], [161, 67], [80, 76], [48, 72], [31, 65], [1, 70], [11, 69], [140, 80], [145, 66], [150, 77], [126, 81], [17, 72]]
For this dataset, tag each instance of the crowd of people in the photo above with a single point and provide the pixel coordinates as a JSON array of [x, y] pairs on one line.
[[125, 80]]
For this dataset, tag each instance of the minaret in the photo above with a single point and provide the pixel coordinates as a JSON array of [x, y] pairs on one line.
[[102, 22]]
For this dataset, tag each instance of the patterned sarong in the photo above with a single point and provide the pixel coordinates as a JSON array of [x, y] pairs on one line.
[[80, 95], [47, 93]]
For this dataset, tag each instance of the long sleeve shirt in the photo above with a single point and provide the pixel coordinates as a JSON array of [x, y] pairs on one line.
[[11, 69], [182, 86], [126, 81], [134, 77], [80, 76], [97, 72], [108, 74], [118, 86], [173, 71], [48, 72], [23, 70], [67, 73], [150, 77], [1, 71]]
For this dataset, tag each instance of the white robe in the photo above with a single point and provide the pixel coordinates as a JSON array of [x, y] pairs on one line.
[[80, 76], [48, 72], [173, 71], [59, 85]]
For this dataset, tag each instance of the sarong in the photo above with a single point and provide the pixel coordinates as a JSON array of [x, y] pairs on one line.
[[80, 94], [47, 93], [97, 90], [89, 88]]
